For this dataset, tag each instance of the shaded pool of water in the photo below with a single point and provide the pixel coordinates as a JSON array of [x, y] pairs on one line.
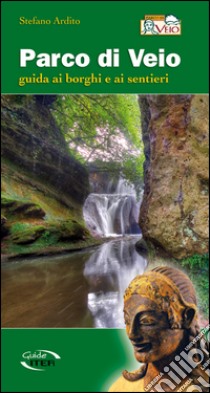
[[81, 289]]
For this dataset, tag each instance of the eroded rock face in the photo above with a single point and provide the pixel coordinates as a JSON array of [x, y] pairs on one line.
[[43, 186], [32, 141], [174, 211]]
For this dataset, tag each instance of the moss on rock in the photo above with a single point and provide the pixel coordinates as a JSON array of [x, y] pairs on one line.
[[28, 235], [14, 207], [43, 186]]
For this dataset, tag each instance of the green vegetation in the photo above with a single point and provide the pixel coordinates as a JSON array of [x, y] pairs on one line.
[[8, 201], [19, 227], [80, 115], [48, 238], [197, 267], [132, 170], [196, 262], [27, 235], [103, 128], [35, 223]]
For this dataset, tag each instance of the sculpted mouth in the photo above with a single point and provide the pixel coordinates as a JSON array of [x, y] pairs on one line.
[[146, 347]]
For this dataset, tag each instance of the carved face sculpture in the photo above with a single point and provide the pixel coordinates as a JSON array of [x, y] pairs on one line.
[[149, 25], [156, 316]]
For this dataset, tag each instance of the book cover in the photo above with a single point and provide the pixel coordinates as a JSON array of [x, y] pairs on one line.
[[104, 147]]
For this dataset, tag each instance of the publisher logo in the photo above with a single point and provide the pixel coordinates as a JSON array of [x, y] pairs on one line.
[[160, 25], [39, 360]]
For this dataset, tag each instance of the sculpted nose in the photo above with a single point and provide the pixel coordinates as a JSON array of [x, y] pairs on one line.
[[134, 333]]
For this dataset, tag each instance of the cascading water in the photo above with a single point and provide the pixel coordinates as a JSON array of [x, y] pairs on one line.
[[110, 269], [84, 289], [108, 272], [113, 213]]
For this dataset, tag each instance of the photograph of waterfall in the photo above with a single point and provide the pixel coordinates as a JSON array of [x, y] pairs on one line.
[[96, 189], [105, 196]]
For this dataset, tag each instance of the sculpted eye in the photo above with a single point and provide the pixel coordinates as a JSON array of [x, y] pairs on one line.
[[147, 321]]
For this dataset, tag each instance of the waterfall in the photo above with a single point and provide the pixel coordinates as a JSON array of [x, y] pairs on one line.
[[109, 271], [113, 214], [112, 210], [124, 187]]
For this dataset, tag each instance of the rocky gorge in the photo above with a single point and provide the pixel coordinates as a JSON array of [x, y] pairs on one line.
[[44, 187], [55, 202]]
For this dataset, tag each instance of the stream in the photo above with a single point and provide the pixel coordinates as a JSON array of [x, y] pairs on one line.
[[80, 289]]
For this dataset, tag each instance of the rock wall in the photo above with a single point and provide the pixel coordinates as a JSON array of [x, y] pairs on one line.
[[31, 140], [174, 212], [43, 186]]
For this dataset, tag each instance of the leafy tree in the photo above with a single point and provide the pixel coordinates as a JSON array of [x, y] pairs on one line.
[[102, 127]]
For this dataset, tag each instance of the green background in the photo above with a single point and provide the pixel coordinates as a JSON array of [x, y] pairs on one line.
[[105, 25], [91, 359]]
